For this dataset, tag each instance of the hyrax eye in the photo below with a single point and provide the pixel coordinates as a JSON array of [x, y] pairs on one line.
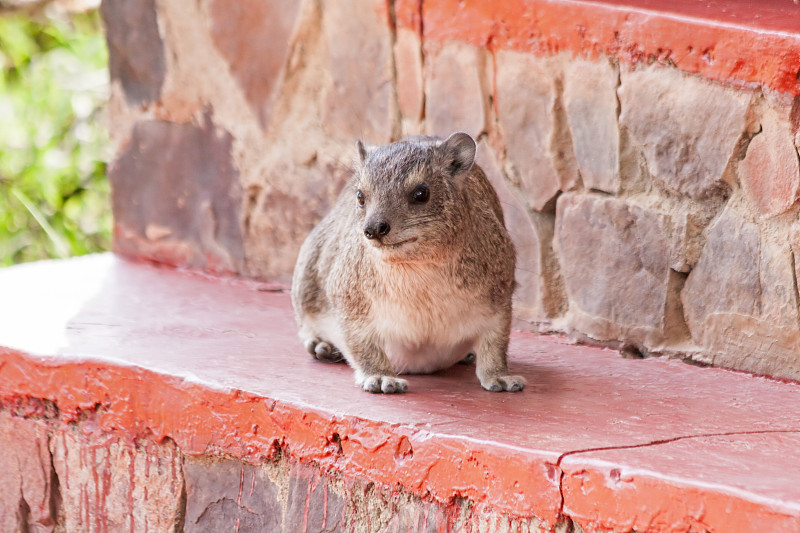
[[360, 198], [420, 194]]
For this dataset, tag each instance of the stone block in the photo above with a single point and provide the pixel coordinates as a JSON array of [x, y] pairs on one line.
[[590, 101], [359, 102], [27, 491], [454, 96], [529, 114], [687, 128], [539, 295], [770, 175], [740, 300], [418, 516], [135, 48], [619, 262], [111, 484], [282, 213], [408, 63], [726, 278], [312, 505], [228, 495], [176, 197], [254, 37]]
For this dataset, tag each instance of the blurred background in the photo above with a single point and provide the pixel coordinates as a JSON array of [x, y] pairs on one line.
[[54, 145]]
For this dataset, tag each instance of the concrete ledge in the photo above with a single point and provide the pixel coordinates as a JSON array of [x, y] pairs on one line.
[[214, 367], [738, 42]]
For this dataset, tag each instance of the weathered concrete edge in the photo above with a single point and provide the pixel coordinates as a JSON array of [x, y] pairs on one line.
[[415, 460]]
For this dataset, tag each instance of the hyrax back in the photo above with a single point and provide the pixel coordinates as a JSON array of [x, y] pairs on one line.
[[412, 270]]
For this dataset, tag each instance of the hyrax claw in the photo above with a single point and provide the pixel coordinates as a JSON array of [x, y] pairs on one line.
[[384, 384], [311, 346], [504, 383], [322, 350]]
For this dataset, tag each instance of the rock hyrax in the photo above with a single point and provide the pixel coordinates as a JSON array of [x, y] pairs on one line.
[[412, 270]]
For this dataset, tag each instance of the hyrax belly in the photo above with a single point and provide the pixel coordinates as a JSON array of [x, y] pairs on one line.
[[419, 337], [425, 357]]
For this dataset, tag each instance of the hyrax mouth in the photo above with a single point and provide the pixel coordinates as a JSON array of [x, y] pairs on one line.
[[396, 245]]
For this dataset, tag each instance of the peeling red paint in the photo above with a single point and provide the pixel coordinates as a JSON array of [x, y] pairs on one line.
[[368, 452], [325, 505], [130, 342], [738, 41], [305, 506], [408, 14]]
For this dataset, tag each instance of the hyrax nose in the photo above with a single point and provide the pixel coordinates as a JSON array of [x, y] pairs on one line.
[[377, 230]]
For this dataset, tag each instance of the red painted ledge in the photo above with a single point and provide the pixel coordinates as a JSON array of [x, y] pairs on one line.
[[650, 445], [737, 41]]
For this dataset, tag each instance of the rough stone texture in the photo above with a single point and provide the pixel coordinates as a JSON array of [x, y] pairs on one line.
[[770, 175], [741, 300], [360, 101], [254, 37], [530, 120], [408, 63], [176, 198], [291, 173], [313, 506], [590, 101], [281, 215], [687, 128], [108, 483], [618, 262], [539, 295], [726, 278], [27, 491], [454, 94], [228, 495], [135, 48], [415, 516]]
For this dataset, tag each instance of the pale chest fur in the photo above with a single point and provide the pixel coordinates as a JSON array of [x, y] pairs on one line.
[[423, 320]]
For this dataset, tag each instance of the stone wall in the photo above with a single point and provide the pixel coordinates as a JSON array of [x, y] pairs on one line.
[[653, 209]]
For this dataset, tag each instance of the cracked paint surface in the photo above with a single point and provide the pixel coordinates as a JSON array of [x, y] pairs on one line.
[[613, 443], [697, 493]]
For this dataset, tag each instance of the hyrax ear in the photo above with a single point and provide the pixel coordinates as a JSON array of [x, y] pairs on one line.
[[458, 153], [362, 151]]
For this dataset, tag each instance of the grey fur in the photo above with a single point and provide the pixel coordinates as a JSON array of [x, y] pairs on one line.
[[436, 287]]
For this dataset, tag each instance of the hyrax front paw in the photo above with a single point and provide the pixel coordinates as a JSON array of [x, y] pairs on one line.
[[384, 384], [503, 383], [323, 351]]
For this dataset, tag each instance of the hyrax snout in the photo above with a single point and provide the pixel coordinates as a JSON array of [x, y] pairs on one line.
[[412, 270]]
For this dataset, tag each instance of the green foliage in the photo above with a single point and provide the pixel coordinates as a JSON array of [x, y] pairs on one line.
[[54, 196]]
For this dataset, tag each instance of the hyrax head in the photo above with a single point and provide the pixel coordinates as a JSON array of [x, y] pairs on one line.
[[409, 195]]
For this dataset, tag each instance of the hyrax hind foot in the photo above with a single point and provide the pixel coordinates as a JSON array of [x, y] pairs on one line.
[[323, 351], [504, 383], [384, 384], [468, 359]]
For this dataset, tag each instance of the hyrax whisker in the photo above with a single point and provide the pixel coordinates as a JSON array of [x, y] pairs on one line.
[[412, 270]]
